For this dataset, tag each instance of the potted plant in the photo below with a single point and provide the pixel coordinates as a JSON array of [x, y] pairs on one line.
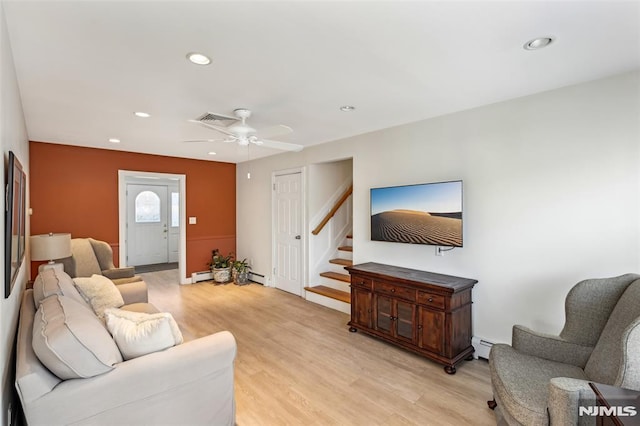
[[221, 266], [241, 272]]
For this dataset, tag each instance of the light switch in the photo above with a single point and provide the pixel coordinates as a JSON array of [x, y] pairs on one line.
[[192, 220]]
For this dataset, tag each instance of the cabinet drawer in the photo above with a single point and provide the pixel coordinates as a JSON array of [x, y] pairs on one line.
[[392, 290], [430, 299], [361, 282]]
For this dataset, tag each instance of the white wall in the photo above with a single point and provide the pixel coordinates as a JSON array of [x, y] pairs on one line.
[[551, 196], [324, 179], [13, 137]]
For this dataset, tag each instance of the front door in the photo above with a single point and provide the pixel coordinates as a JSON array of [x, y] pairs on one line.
[[146, 224], [288, 232]]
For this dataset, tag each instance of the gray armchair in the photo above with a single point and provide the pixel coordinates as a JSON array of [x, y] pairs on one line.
[[89, 256], [542, 379]]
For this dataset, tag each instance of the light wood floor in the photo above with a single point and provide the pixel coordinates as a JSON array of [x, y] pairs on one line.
[[298, 364]]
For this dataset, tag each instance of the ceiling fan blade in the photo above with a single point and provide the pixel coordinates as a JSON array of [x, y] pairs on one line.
[[211, 126], [273, 131], [284, 146], [204, 140]]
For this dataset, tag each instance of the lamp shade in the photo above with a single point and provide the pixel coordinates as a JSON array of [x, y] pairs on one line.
[[50, 246]]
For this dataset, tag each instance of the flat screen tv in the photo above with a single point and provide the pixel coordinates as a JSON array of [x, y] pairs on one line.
[[14, 224], [429, 213]]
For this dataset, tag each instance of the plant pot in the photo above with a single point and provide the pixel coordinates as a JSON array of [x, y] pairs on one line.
[[241, 278], [221, 275]]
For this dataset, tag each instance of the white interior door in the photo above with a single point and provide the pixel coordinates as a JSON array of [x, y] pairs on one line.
[[288, 231], [147, 230]]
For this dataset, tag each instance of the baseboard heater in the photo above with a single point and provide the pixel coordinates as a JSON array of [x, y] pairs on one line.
[[207, 275], [257, 278], [201, 276], [482, 347]]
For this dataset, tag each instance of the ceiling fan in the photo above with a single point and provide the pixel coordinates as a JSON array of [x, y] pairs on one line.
[[243, 134]]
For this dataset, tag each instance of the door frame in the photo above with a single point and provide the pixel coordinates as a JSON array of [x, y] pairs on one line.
[[122, 216], [303, 226]]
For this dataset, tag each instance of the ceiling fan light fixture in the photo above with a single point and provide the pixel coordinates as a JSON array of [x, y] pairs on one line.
[[347, 108], [538, 43], [198, 58], [244, 135]]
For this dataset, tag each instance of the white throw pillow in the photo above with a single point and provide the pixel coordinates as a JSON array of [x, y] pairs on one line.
[[138, 333], [70, 341], [100, 292]]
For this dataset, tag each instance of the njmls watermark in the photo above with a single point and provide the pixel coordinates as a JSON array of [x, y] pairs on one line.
[[615, 410]]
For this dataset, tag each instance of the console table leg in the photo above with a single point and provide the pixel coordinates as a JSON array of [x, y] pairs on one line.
[[450, 369], [353, 329]]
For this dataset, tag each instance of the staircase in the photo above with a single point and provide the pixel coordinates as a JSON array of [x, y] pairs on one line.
[[333, 290]]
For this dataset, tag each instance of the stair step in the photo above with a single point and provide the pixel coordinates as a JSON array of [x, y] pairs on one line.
[[343, 262], [330, 292], [345, 248], [336, 276]]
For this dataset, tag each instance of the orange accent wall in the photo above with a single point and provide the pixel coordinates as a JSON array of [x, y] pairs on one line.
[[75, 189]]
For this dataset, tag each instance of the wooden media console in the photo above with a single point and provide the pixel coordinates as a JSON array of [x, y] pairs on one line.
[[424, 312]]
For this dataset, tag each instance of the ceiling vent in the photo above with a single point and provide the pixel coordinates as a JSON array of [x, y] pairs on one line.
[[217, 119]]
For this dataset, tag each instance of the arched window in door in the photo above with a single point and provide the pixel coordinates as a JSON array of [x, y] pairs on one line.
[[147, 207]]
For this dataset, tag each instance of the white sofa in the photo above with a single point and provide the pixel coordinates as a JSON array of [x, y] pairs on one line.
[[190, 383]]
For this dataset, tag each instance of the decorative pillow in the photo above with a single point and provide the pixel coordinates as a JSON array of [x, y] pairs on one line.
[[138, 333], [100, 292], [53, 281], [70, 341]]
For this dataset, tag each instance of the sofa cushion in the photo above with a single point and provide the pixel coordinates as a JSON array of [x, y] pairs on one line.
[[71, 341], [605, 361], [53, 281], [33, 379], [138, 334], [100, 292], [521, 382]]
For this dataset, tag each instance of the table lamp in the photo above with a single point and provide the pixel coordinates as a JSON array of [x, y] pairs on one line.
[[49, 247]]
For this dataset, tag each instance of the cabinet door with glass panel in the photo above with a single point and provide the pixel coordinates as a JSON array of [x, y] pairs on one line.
[[395, 317]]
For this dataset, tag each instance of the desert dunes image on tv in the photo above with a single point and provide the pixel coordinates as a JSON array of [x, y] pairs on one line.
[[418, 214], [407, 226]]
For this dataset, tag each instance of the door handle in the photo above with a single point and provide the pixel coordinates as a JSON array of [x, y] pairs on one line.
[[298, 237]]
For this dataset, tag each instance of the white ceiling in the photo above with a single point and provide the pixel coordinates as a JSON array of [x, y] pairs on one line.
[[85, 66]]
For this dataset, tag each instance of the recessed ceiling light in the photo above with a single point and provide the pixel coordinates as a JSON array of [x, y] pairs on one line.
[[198, 58], [211, 153], [347, 108], [538, 43], [114, 140], [142, 114]]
